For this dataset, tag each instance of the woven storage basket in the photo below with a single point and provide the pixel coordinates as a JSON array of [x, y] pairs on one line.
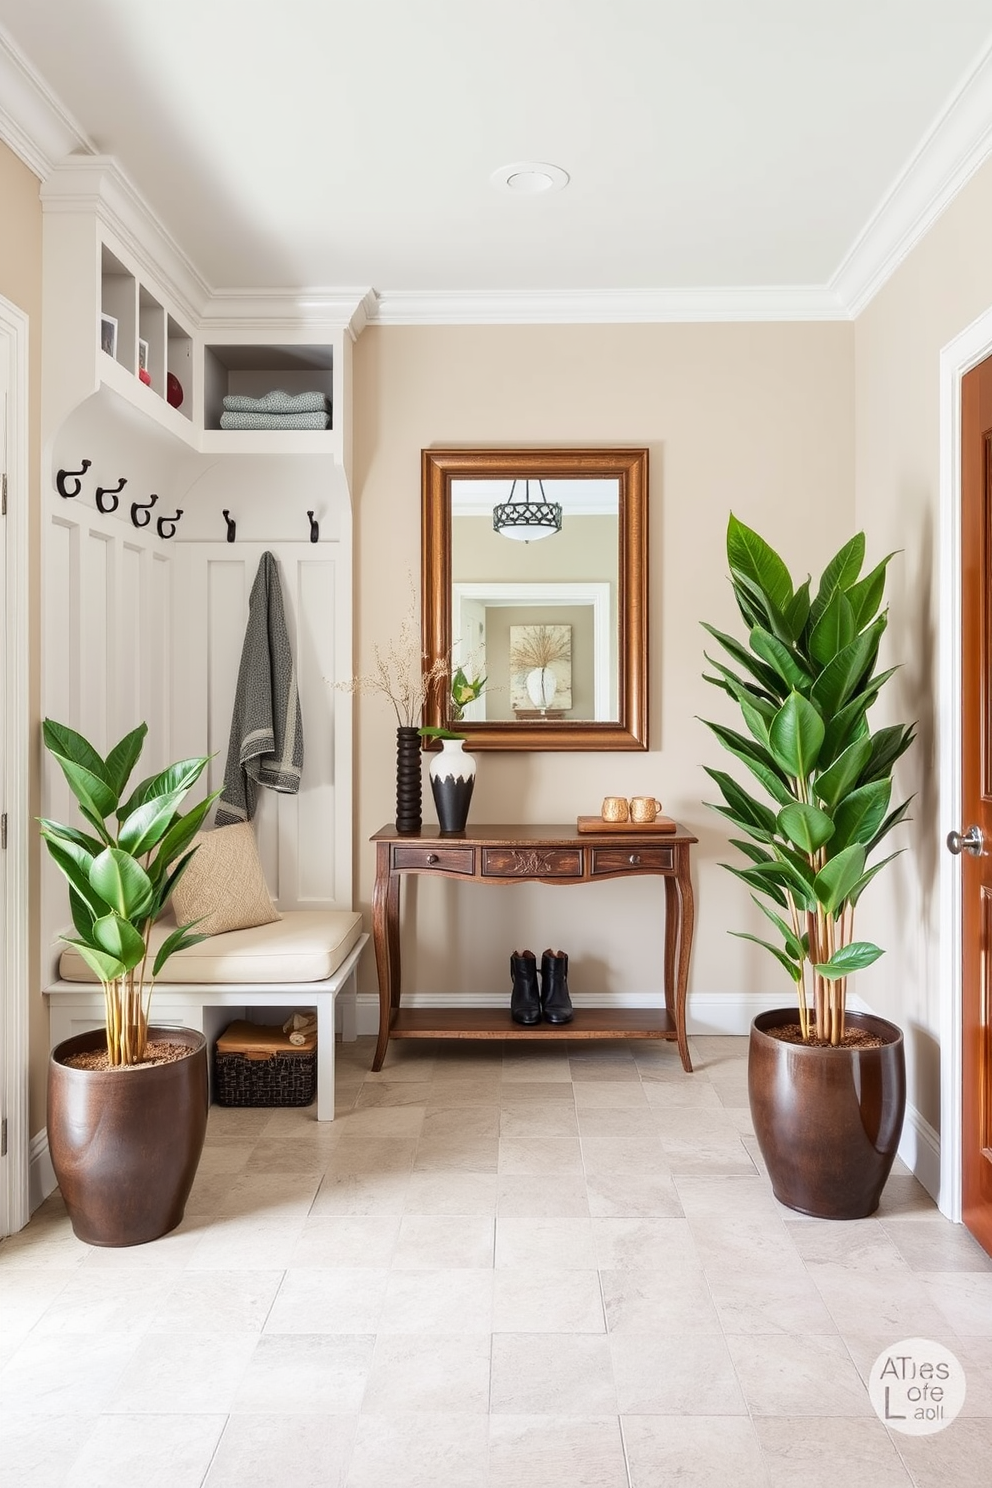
[[256, 1065]]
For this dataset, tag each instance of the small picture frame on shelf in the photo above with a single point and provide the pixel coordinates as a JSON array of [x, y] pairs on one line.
[[143, 356], [108, 334]]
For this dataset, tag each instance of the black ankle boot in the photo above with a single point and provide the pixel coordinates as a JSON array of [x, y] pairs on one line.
[[525, 999], [555, 1001]]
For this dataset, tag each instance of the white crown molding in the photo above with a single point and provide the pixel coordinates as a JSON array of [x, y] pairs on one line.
[[96, 184], [606, 306], [350, 306], [957, 144], [32, 121]]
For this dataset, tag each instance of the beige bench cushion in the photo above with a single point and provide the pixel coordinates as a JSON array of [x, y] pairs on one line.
[[306, 945]]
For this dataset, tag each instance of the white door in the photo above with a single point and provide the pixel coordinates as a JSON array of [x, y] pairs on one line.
[[13, 769]]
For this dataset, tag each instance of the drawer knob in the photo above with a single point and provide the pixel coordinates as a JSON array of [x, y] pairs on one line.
[[432, 857], [634, 859]]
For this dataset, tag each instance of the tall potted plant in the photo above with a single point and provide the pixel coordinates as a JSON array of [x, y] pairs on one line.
[[827, 1086], [127, 1105]]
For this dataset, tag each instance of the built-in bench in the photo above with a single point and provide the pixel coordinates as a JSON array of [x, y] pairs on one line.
[[306, 959]]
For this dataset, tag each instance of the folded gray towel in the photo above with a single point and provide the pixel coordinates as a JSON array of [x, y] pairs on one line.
[[278, 402], [275, 420]]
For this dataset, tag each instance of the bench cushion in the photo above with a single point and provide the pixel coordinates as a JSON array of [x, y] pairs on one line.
[[305, 945]]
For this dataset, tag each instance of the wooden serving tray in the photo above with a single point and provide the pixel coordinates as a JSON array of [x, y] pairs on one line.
[[597, 824]]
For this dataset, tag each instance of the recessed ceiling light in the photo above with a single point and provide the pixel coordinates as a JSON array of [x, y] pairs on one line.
[[529, 178]]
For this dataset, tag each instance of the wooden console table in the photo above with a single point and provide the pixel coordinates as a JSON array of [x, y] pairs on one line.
[[532, 854]]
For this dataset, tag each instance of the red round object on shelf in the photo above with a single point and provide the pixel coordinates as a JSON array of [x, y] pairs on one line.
[[174, 390], [145, 376]]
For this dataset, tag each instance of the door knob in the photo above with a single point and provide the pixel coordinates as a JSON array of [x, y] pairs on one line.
[[970, 842]]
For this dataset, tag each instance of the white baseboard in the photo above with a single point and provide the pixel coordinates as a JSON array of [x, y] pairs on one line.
[[919, 1148], [41, 1174]]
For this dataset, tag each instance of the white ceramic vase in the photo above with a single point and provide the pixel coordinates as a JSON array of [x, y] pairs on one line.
[[452, 776], [541, 686]]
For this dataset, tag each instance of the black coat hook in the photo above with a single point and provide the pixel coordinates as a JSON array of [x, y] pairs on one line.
[[67, 475], [170, 522], [314, 528], [232, 526], [146, 508], [106, 496]]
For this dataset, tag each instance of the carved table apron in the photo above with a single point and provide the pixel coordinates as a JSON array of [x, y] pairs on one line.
[[532, 854]]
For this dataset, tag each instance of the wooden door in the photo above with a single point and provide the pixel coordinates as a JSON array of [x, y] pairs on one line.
[[976, 800]]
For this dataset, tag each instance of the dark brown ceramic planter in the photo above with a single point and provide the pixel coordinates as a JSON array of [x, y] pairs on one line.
[[125, 1143], [828, 1121]]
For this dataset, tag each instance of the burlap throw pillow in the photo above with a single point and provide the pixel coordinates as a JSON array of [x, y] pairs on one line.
[[224, 886]]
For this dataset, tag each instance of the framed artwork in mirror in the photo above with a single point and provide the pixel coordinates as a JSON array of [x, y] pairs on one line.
[[535, 577]]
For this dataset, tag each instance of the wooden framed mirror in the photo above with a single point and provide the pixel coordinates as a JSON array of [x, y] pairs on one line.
[[535, 575]]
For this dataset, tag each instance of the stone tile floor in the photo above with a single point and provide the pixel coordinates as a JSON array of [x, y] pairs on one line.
[[557, 1266]]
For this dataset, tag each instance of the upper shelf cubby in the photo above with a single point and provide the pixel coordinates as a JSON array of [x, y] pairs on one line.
[[252, 371], [138, 335]]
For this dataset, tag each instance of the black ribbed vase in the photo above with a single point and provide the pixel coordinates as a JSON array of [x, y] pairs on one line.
[[409, 789]]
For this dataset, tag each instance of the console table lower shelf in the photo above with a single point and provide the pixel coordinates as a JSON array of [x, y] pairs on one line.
[[504, 855]]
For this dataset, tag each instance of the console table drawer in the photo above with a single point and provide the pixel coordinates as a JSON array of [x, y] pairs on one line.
[[439, 859], [531, 862], [632, 860]]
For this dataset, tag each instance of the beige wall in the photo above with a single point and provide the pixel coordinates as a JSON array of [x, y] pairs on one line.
[[20, 283], [940, 289], [758, 418]]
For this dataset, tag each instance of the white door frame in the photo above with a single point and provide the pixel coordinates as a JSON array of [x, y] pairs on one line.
[[967, 349], [14, 1210]]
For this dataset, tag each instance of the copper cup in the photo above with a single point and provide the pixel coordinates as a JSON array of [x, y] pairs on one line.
[[615, 809], [644, 808]]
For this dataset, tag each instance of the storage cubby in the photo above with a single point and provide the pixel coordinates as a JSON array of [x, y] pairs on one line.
[[119, 301], [254, 370], [151, 331], [180, 366]]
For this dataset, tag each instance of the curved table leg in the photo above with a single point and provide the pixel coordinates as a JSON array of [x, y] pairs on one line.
[[679, 921], [386, 939]]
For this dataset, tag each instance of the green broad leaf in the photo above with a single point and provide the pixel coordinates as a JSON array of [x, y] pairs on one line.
[[885, 748], [179, 836], [849, 723], [796, 737], [760, 834], [95, 796], [866, 878], [859, 815], [795, 971], [843, 774], [839, 574], [853, 957], [66, 745], [797, 613], [752, 850], [757, 759], [82, 915], [756, 881], [148, 824], [123, 757], [177, 941], [794, 947], [834, 630], [745, 806], [806, 826], [765, 677], [119, 939], [165, 886], [52, 829], [122, 882], [757, 609], [74, 862], [751, 558], [866, 595], [839, 679], [105, 966], [781, 659], [746, 692], [788, 877], [892, 820], [178, 777], [838, 877]]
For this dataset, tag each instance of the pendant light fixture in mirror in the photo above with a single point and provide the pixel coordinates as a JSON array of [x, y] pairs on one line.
[[527, 521]]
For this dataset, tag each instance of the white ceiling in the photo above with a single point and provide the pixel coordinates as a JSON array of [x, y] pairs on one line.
[[721, 145]]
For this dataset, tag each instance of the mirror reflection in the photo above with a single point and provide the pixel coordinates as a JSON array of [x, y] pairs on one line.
[[536, 613]]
